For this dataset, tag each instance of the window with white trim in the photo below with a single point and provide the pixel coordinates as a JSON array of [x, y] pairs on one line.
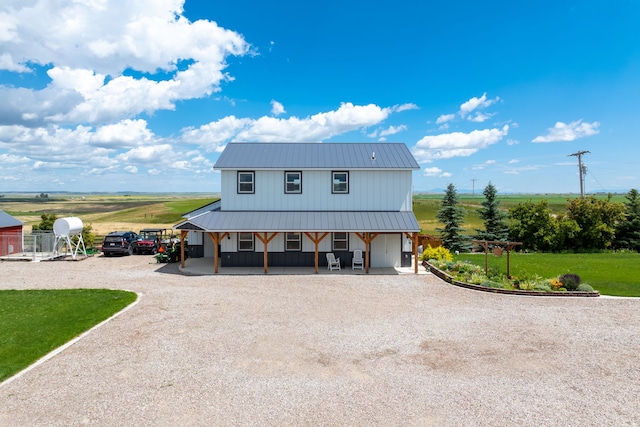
[[340, 241], [246, 182], [293, 182], [293, 242], [245, 241], [340, 182]]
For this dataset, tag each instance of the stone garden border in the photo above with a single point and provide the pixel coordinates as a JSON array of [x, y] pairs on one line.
[[449, 279]]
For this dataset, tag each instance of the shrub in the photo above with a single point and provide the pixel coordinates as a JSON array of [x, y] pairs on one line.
[[439, 253], [491, 284], [583, 287], [570, 281]]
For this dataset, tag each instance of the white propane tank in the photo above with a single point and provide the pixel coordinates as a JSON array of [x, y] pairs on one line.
[[70, 226]]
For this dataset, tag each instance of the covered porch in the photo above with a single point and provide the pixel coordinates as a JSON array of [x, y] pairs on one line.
[[264, 227]]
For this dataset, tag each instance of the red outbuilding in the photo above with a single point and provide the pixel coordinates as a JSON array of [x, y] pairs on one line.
[[10, 234]]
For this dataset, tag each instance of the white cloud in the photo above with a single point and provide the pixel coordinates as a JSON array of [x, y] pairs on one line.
[[456, 144], [88, 46], [405, 107], [480, 117], [318, 127], [445, 118], [277, 108], [483, 165], [511, 141], [391, 130], [476, 104], [569, 132], [436, 172]]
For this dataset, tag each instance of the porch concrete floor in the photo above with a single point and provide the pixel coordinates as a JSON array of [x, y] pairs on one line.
[[204, 266]]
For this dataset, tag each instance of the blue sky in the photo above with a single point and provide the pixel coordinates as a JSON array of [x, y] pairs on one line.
[[106, 95]]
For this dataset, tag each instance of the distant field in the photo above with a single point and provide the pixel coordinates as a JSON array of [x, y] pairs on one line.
[[426, 206], [113, 212], [106, 213]]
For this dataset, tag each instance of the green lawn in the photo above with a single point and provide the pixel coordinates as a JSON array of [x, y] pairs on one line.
[[35, 322], [610, 273]]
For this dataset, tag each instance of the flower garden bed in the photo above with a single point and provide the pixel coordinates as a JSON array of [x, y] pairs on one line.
[[555, 293]]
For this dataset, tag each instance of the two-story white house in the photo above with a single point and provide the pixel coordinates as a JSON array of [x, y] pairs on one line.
[[288, 204]]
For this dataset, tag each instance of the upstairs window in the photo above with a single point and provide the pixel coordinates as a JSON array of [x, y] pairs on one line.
[[246, 182], [340, 241], [293, 242], [340, 182], [293, 182]]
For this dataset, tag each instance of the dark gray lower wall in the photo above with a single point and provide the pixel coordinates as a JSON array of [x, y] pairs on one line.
[[280, 259]]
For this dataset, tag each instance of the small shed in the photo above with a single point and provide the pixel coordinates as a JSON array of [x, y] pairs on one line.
[[10, 234]]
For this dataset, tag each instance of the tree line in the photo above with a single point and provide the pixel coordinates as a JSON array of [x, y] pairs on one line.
[[588, 224]]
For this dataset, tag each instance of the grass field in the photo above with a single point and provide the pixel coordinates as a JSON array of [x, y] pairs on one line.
[[106, 213], [426, 206], [35, 322], [610, 273]]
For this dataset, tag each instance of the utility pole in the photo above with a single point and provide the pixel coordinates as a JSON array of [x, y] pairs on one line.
[[473, 187], [582, 170]]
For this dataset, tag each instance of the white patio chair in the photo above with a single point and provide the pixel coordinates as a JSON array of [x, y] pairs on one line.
[[357, 261], [333, 263]]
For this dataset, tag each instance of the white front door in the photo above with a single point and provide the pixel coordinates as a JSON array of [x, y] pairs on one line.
[[386, 251]]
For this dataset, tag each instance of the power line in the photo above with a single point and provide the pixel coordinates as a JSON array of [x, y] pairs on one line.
[[582, 170]]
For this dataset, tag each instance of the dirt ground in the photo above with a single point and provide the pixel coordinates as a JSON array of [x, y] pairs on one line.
[[273, 350]]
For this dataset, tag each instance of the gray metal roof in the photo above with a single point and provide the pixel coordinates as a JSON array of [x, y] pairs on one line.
[[300, 221], [263, 155], [213, 206], [7, 220]]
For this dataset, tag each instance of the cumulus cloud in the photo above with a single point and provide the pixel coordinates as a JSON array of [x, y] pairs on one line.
[[277, 108], [88, 46], [318, 127], [436, 172], [476, 104], [469, 110], [445, 118], [569, 132], [383, 133], [456, 144]]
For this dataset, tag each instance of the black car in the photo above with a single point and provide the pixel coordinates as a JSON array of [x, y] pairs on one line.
[[119, 242]]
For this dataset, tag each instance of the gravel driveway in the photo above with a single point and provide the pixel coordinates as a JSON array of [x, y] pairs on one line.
[[314, 350]]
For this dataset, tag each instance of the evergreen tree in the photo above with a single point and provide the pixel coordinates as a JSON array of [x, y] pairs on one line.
[[452, 216], [628, 230], [495, 220]]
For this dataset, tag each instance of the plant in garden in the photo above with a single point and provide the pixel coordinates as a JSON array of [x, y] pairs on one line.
[[452, 216], [495, 225], [437, 253], [570, 281]]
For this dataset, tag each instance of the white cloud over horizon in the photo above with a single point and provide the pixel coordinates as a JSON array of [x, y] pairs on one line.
[[456, 144], [562, 132]]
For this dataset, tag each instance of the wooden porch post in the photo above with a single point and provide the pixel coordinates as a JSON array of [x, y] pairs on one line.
[[183, 234], [265, 241], [414, 249], [216, 238], [316, 241], [367, 238]]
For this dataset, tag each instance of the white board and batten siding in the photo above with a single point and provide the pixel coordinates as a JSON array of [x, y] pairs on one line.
[[369, 190]]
